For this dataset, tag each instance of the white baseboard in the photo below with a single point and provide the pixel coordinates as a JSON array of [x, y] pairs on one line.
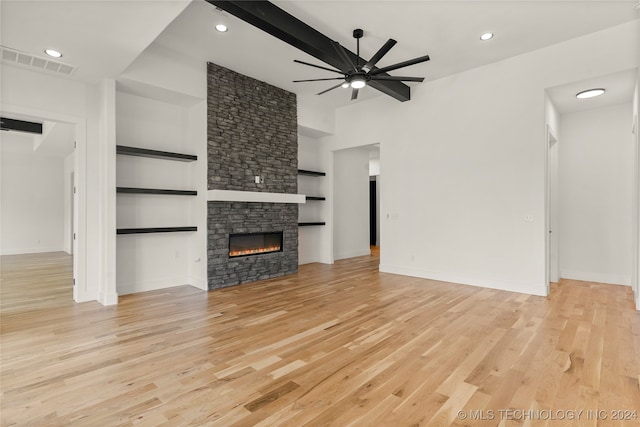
[[523, 288], [108, 298], [590, 276], [31, 251], [352, 254], [151, 285], [199, 283]]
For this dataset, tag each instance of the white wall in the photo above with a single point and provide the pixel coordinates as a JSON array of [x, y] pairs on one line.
[[315, 242], [68, 203], [351, 203], [197, 137], [464, 163], [32, 200], [596, 176]]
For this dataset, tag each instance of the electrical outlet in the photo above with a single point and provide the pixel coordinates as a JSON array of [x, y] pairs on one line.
[[528, 218]]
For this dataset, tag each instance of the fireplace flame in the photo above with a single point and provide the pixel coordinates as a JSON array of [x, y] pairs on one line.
[[253, 251]]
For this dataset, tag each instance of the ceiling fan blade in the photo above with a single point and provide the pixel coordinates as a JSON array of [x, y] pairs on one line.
[[343, 54], [379, 54], [318, 66], [318, 80], [331, 88], [354, 94], [398, 79], [400, 65]]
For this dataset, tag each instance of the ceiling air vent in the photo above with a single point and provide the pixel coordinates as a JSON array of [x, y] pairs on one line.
[[28, 60]]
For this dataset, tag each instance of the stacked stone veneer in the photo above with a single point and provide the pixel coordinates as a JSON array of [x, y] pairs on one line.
[[252, 131], [241, 217]]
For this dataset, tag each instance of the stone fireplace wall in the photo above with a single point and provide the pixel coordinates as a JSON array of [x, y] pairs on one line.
[[241, 217], [252, 131]]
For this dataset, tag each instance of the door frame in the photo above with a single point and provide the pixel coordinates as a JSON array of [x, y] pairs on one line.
[[550, 140]]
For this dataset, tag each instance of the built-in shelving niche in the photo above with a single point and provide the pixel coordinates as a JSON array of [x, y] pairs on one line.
[[155, 154], [311, 173]]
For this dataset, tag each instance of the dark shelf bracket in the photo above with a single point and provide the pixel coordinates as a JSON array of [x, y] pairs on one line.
[[154, 154], [307, 224], [154, 230], [315, 198], [132, 190]]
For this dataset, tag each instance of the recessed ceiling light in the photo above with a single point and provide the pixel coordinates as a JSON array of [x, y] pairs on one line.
[[53, 53], [222, 28], [590, 93], [486, 36]]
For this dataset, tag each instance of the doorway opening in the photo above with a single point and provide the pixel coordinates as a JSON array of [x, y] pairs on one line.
[[356, 209], [39, 212]]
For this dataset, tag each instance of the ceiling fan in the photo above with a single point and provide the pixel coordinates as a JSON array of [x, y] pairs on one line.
[[356, 75]]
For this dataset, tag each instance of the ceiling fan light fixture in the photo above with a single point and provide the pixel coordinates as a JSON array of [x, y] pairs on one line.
[[222, 28], [356, 75], [590, 93], [486, 36], [358, 83]]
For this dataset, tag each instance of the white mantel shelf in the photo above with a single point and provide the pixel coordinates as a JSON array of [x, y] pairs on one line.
[[253, 196]]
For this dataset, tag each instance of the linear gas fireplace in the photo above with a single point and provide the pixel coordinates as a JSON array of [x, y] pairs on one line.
[[247, 244]]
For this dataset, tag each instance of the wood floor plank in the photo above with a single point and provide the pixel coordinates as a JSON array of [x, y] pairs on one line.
[[340, 345]]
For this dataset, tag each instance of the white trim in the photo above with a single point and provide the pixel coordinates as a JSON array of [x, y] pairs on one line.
[[253, 196], [352, 254], [107, 291], [152, 285], [590, 276], [32, 251], [108, 299], [199, 283], [523, 288]]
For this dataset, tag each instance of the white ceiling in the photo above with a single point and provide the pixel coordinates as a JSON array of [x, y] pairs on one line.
[[448, 31], [619, 89], [102, 37]]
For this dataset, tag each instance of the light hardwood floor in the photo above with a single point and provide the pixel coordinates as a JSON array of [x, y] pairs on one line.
[[332, 345]]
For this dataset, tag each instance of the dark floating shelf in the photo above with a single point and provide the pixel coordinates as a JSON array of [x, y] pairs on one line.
[[310, 173], [308, 224], [132, 190], [154, 154], [154, 230], [315, 198]]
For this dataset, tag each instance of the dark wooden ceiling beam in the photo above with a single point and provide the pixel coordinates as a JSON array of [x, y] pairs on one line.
[[275, 21], [8, 124]]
